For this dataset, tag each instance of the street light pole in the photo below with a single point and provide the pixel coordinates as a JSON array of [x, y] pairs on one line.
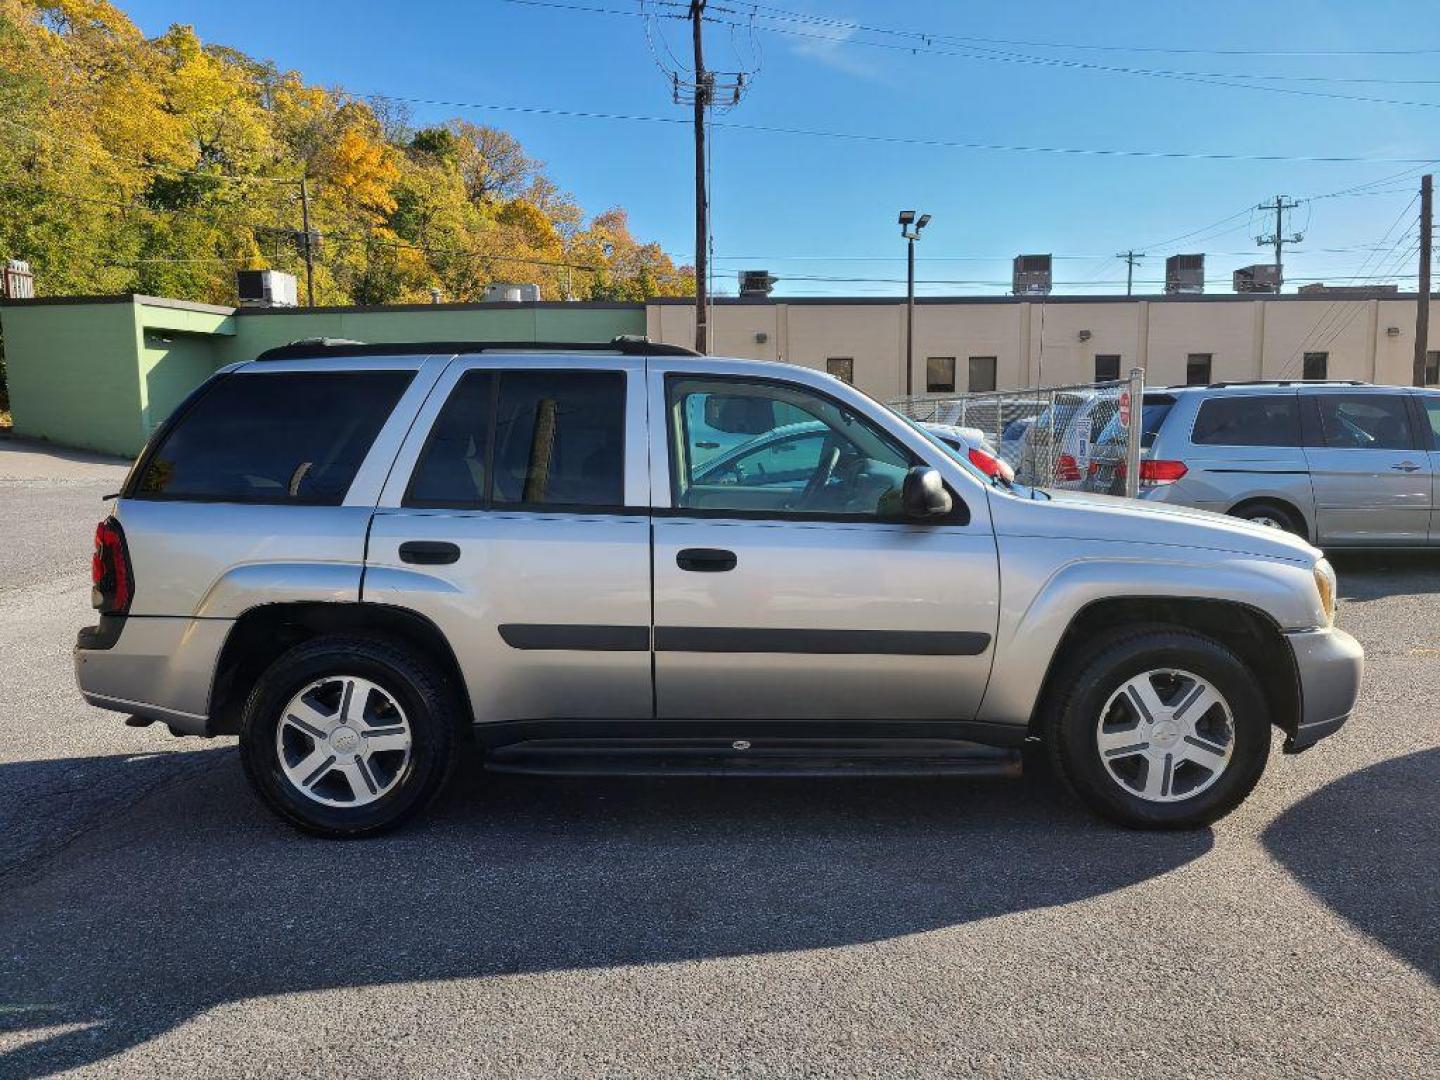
[[910, 229]]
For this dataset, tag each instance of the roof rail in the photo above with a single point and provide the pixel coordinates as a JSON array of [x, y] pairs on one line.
[[315, 348], [1267, 382]]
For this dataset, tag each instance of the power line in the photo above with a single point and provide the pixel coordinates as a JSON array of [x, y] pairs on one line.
[[897, 140], [1123, 48]]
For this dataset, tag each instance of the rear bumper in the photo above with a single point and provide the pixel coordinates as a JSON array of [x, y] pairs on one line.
[[157, 668], [1329, 664]]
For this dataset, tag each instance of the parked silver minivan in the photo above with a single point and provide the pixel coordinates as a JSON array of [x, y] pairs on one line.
[[1341, 464]]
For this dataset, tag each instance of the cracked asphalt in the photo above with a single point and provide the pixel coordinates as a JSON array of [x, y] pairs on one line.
[[155, 921]]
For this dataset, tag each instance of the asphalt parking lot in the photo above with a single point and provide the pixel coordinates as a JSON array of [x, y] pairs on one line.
[[155, 921]]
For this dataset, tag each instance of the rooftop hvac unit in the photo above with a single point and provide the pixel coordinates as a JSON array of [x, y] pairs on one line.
[[266, 288], [756, 282], [1185, 274], [504, 292], [19, 283], [1260, 278], [1031, 276]]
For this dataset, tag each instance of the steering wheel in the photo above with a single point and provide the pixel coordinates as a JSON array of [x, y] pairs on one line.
[[829, 458]]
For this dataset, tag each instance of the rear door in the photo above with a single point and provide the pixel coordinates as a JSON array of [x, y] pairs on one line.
[[787, 586], [1371, 476], [516, 519]]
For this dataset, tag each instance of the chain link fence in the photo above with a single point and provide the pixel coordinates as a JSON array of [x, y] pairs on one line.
[[1076, 437]]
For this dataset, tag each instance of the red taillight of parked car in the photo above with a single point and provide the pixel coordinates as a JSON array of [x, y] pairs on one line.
[[111, 583], [1067, 469], [1156, 473], [990, 465]]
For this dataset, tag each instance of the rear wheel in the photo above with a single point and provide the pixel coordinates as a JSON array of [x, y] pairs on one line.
[[1160, 728], [1270, 514], [348, 736]]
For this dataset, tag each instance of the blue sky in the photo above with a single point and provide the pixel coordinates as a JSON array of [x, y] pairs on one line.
[[822, 207]]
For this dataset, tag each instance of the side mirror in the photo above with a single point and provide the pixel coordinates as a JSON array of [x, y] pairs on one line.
[[924, 494]]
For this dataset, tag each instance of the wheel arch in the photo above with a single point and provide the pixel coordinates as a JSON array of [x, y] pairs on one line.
[[262, 634], [1246, 630]]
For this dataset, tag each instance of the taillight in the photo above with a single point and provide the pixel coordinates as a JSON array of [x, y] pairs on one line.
[[111, 583], [990, 465], [1067, 468], [1156, 473]]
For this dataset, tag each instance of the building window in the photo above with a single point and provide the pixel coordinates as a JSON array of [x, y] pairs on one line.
[[982, 374], [842, 367], [1107, 368], [1197, 368], [940, 375], [1432, 368], [1315, 364]]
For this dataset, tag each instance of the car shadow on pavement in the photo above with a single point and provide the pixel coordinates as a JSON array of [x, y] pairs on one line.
[[196, 897], [1372, 575], [1368, 845]]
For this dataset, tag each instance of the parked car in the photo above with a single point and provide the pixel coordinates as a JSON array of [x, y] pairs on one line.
[[354, 557], [1048, 453], [970, 445], [1341, 464]]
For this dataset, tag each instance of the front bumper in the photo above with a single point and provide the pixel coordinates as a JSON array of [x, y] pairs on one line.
[[1329, 664]]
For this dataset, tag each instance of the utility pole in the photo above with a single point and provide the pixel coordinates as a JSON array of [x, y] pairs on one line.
[[309, 252], [703, 90], [1131, 258], [1422, 305], [1278, 237]]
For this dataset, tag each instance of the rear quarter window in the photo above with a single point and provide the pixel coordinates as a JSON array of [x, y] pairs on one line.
[[278, 437], [1259, 420]]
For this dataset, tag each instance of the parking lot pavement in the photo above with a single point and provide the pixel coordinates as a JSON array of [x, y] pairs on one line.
[[155, 921]]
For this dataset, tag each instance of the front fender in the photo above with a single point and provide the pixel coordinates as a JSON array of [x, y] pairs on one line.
[[1040, 599]]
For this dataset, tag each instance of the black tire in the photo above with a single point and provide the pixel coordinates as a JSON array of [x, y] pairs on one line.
[[1272, 514], [1070, 727], [412, 682]]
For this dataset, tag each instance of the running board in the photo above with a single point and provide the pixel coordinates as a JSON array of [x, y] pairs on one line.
[[753, 757]]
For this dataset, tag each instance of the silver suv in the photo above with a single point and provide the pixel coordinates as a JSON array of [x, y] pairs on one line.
[[1341, 464], [354, 557]]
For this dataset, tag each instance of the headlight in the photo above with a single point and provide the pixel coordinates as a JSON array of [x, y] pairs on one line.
[[1325, 584]]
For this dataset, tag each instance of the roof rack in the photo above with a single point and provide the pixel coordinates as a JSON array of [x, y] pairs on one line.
[[1267, 382], [315, 348]]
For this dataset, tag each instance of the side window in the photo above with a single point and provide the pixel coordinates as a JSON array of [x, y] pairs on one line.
[[1262, 420], [526, 438], [1364, 421], [451, 470], [797, 452], [1431, 404], [273, 437]]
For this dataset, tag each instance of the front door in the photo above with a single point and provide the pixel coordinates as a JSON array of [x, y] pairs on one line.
[[787, 584], [516, 522], [1372, 479], [1429, 404]]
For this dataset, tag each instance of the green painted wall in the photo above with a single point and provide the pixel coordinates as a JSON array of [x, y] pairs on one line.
[[72, 374], [102, 375]]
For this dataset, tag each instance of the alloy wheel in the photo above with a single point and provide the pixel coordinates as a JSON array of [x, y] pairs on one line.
[[343, 741], [1165, 735]]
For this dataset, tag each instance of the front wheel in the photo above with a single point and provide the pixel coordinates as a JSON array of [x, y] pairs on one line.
[[348, 736], [1160, 728]]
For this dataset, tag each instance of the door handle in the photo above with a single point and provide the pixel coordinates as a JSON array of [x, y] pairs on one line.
[[429, 552], [1406, 466], [706, 560]]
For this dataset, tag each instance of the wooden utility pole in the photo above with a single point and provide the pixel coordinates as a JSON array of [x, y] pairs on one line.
[[1422, 304], [1278, 238], [702, 204], [1131, 258], [309, 246]]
